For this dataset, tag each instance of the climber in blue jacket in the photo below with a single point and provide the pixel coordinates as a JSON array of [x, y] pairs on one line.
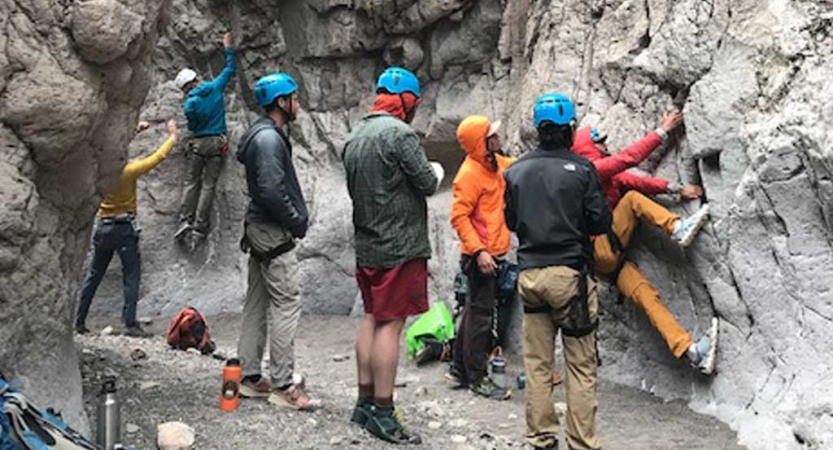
[[205, 110]]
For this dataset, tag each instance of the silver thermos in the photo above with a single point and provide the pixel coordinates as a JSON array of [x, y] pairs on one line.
[[108, 423]]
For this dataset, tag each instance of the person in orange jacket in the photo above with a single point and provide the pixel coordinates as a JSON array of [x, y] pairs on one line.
[[628, 210], [477, 216]]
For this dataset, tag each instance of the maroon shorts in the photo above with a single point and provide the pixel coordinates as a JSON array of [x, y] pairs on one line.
[[395, 293]]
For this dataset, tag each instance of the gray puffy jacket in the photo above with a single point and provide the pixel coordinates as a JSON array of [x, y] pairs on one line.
[[274, 191]]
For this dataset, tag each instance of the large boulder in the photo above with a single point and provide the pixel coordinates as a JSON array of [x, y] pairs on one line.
[[64, 129]]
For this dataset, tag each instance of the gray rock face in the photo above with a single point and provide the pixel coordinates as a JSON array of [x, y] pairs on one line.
[[752, 78], [72, 77]]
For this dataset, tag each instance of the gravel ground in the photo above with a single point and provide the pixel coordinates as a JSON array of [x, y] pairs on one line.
[[169, 385]]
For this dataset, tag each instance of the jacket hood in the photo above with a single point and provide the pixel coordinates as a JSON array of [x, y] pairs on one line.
[[472, 137], [202, 90], [583, 145]]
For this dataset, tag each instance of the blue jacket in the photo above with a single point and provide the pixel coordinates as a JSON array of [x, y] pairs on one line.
[[205, 107]]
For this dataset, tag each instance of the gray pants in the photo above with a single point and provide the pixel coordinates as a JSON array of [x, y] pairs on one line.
[[272, 298], [205, 160]]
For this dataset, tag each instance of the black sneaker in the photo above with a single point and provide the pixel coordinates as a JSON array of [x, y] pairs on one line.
[[81, 329], [455, 377], [361, 412], [384, 424], [136, 331]]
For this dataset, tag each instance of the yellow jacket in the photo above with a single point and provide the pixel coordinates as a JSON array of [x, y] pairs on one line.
[[477, 208], [123, 198]]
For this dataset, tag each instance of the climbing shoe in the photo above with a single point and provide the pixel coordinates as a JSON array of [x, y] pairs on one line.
[[686, 229], [182, 231], [487, 388], [81, 329], [384, 424], [703, 354], [361, 412]]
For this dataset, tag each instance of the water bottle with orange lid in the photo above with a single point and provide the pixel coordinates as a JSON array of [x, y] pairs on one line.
[[230, 396]]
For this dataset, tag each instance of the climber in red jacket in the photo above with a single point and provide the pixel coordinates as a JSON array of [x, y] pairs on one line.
[[628, 209]]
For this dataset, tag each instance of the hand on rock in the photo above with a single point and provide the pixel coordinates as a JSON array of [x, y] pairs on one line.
[[227, 40], [691, 192], [672, 120], [172, 130], [142, 126]]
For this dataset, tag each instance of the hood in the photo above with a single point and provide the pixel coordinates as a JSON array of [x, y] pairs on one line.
[[472, 137], [583, 145], [264, 123], [202, 90], [393, 104]]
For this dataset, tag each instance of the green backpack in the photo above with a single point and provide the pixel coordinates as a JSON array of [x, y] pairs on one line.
[[435, 324]]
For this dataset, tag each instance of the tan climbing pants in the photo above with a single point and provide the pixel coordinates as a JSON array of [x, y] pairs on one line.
[[631, 283], [556, 287], [272, 299]]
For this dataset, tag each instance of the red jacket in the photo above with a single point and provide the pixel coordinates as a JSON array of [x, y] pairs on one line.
[[612, 168]]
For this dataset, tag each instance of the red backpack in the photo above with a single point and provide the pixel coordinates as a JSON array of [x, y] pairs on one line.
[[188, 329]]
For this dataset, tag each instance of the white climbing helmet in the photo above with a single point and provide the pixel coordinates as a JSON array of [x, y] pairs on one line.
[[184, 77]]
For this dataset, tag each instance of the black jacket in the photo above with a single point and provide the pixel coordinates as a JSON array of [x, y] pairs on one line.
[[554, 203], [274, 191]]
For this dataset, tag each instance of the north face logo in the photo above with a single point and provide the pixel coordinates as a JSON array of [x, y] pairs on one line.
[[570, 167]]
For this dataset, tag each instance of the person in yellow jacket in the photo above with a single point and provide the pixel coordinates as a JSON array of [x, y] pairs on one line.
[[116, 230], [477, 216]]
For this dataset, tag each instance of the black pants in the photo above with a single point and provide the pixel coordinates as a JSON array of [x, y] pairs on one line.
[[108, 238], [475, 337]]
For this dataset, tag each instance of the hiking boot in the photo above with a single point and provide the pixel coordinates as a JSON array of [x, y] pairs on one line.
[[182, 231], [136, 331], [255, 387], [687, 228], [456, 379], [487, 388], [292, 397], [384, 424], [81, 329], [703, 354], [361, 412]]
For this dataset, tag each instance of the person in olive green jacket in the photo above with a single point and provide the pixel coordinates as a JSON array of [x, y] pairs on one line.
[[116, 230]]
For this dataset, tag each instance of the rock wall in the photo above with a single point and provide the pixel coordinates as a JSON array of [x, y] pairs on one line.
[[72, 77], [751, 76]]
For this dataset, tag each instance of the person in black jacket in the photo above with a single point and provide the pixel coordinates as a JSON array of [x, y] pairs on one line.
[[275, 219], [555, 203]]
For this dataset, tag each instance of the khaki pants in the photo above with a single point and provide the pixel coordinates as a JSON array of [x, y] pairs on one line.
[[205, 160], [272, 297], [556, 287], [631, 283]]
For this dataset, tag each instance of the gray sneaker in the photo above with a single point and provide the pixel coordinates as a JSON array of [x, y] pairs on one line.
[[688, 227]]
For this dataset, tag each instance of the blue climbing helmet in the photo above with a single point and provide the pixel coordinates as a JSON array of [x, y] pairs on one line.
[[555, 108], [397, 80], [273, 86]]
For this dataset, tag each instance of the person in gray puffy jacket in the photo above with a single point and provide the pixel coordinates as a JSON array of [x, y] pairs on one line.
[[275, 219]]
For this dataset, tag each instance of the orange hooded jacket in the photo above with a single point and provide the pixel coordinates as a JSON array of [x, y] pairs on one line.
[[477, 209]]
